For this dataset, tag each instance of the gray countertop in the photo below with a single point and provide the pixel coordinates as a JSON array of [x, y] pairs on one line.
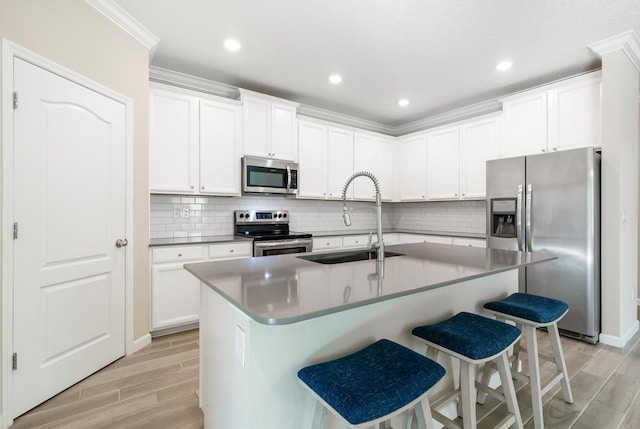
[[277, 290]]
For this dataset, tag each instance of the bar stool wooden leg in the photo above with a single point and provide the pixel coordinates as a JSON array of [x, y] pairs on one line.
[[508, 388], [554, 336], [534, 376], [468, 394]]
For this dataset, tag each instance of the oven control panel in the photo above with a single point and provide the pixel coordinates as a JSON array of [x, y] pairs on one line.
[[261, 216]]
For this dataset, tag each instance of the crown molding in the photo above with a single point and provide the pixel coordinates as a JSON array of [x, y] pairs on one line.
[[352, 121], [159, 74], [482, 108], [628, 42], [118, 16]]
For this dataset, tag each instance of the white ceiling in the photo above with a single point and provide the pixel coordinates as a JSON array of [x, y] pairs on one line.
[[440, 54]]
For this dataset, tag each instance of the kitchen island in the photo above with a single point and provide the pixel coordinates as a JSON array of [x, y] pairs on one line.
[[262, 319]]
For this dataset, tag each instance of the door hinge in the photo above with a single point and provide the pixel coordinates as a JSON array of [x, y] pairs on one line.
[[15, 100], [15, 361], [15, 230]]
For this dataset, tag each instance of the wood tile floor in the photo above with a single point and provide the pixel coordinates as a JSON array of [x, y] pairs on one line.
[[157, 388], [153, 388]]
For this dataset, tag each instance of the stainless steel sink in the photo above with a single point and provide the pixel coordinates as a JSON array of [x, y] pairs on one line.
[[342, 257]]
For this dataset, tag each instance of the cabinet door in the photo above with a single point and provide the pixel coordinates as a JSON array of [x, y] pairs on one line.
[[339, 162], [175, 296], [173, 142], [412, 167], [478, 144], [443, 164], [525, 125], [574, 115], [384, 168], [284, 137], [364, 159], [312, 140], [220, 131], [257, 126]]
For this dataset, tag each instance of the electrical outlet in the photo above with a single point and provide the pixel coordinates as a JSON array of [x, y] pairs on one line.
[[185, 213], [176, 213]]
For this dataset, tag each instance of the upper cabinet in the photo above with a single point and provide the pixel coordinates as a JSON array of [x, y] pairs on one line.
[[326, 160], [330, 155], [194, 143], [270, 126], [448, 163], [413, 167], [374, 154], [560, 116]]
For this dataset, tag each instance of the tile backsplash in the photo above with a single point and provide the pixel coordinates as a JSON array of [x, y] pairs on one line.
[[214, 215]]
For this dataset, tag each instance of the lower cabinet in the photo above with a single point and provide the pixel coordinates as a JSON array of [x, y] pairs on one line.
[[175, 293]]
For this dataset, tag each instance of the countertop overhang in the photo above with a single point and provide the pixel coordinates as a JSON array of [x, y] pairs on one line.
[[284, 289]]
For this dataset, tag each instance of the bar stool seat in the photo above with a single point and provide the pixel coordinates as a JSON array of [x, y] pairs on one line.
[[474, 340], [372, 385], [531, 312]]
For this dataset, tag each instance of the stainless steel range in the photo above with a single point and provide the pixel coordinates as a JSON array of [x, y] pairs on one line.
[[270, 232]]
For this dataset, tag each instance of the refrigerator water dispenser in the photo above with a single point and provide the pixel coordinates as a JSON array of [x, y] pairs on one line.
[[503, 217]]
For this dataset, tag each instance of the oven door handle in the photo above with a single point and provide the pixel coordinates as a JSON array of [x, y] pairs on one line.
[[283, 243]]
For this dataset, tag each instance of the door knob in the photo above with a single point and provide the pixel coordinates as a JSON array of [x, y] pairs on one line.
[[121, 242]]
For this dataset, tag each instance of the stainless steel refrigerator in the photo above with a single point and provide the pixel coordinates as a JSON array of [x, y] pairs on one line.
[[551, 202]]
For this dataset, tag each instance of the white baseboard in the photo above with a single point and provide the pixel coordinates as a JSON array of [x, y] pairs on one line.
[[141, 342], [621, 341]]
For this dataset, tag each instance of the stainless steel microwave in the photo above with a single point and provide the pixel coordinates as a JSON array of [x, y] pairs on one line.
[[269, 176]]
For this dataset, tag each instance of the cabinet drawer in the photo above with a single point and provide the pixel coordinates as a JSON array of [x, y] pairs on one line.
[[230, 250], [355, 240], [178, 254], [327, 243]]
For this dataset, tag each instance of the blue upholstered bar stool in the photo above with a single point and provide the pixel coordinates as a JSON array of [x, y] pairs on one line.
[[474, 340], [530, 312], [373, 385]]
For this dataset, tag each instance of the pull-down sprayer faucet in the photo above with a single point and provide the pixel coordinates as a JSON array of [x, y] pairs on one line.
[[347, 219]]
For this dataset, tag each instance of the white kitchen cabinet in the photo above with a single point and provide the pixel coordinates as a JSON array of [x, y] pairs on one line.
[[324, 244], [270, 126], [373, 154], [173, 141], [407, 238], [339, 162], [219, 161], [175, 293], [412, 168], [355, 241], [194, 143], [442, 166], [326, 161], [479, 142], [560, 116], [312, 182]]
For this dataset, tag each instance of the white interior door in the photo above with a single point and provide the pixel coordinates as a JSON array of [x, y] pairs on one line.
[[69, 204]]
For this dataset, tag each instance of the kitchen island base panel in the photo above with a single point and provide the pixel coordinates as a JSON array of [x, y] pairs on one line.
[[248, 369]]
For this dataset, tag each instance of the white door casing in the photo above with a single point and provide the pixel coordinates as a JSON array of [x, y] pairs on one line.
[[69, 195]]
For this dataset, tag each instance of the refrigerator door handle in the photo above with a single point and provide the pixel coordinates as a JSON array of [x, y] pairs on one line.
[[519, 218], [529, 237]]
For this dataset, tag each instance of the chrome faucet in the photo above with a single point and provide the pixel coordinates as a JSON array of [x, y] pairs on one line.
[[347, 219]]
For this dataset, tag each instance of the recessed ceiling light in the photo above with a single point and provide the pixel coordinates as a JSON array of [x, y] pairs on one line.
[[335, 78], [504, 65], [232, 45], [403, 102]]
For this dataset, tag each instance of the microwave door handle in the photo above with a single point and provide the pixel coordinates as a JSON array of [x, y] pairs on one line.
[[528, 218], [519, 218], [288, 179]]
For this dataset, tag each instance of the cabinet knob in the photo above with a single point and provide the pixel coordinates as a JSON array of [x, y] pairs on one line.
[[231, 251], [555, 149], [180, 254], [192, 187], [201, 187], [543, 150]]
